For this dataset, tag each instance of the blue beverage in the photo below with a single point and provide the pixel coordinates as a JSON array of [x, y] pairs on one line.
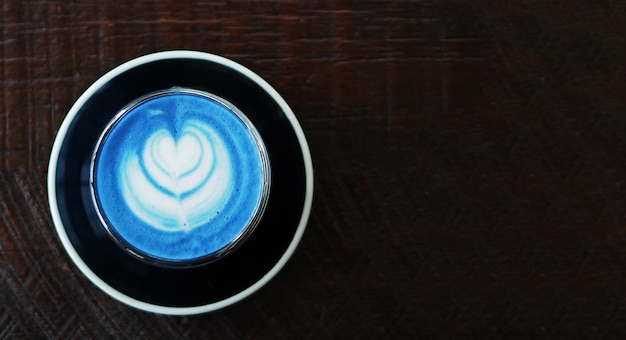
[[180, 175]]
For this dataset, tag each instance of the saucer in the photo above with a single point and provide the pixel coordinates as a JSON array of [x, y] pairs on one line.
[[180, 290]]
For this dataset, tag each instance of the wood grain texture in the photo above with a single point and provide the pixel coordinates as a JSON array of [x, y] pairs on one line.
[[469, 156]]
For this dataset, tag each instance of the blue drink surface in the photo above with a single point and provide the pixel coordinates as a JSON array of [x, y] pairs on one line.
[[179, 176]]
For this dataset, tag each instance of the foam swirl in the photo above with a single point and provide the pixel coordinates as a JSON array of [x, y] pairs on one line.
[[178, 184]]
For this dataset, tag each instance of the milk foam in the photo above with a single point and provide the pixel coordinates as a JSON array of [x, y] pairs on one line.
[[179, 176]]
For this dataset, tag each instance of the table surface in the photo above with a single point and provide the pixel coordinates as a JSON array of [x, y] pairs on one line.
[[470, 164]]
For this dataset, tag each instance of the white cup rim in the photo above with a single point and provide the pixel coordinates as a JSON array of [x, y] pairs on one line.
[[52, 190]]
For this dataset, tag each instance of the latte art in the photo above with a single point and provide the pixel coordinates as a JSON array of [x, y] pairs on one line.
[[180, 176], [179, 184]]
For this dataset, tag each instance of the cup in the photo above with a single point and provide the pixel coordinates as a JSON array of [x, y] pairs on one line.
[[180, 177], [180, 182]]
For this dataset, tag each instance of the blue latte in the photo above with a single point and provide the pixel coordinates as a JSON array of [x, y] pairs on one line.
[[180, 176]]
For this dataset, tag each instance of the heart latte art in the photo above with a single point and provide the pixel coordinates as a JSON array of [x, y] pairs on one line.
[[179, 176], [178, 184]]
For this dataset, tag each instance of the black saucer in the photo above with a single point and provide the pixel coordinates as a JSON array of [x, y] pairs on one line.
[[180, 290]]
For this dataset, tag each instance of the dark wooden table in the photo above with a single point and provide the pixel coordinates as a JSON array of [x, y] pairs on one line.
[[470, 163]]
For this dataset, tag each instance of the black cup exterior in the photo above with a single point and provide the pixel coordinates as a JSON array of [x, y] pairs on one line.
[[187, 286]]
